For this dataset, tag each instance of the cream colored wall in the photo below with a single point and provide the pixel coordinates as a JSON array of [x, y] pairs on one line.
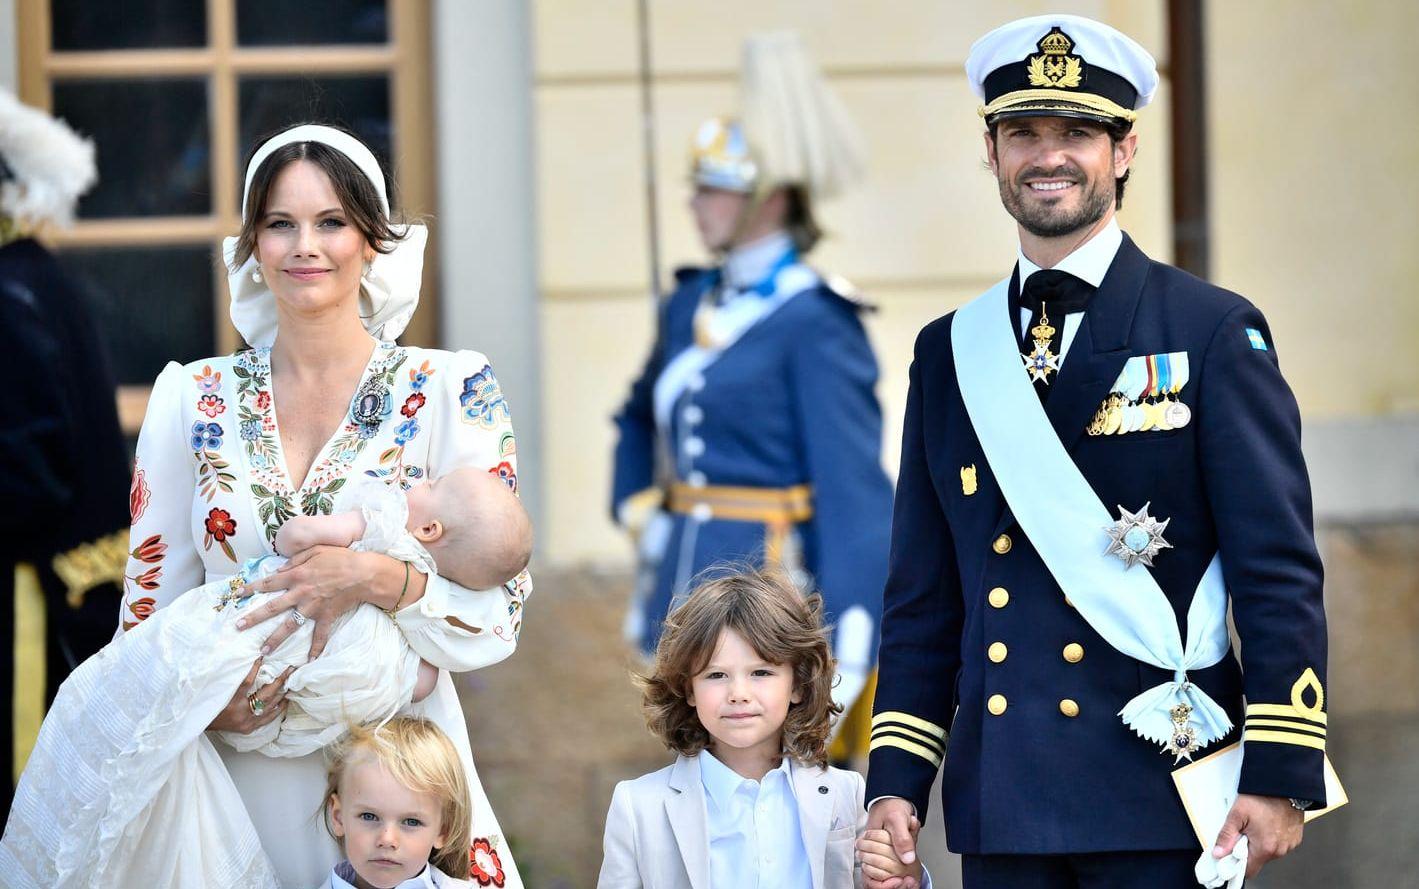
[[924, 233], [1314, 149]]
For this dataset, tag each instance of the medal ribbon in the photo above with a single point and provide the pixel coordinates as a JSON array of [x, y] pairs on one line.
[[1127, 608]]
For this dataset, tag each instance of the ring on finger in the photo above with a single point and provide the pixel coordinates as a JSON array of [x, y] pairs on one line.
[[299, 618], [257, 705]]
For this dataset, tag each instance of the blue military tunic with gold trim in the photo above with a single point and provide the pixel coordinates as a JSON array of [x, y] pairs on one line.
[[986, 667], [770, 441]]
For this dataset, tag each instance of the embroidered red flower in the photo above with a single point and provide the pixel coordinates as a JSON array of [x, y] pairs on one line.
[[151, 550], [263, 400], [504, 471], [220, 525], [412, 404], [211, 405], [148, 580], [142, 609], [138, 495], [484, 864]]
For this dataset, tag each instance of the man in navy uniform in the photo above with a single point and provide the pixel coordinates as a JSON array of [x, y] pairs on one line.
[[1099, 455]]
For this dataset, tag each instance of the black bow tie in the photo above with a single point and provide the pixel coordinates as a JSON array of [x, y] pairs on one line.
[[1061, 293]]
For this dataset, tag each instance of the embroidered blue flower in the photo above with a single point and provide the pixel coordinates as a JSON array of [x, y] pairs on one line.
[[250, 430], [405, 431], [417, 379], [206, 436], [482, 400]]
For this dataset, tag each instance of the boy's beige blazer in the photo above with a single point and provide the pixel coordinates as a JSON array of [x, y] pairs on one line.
[[657, 838]]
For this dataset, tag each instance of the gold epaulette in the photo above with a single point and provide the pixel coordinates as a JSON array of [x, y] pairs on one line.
[[913, 734], [1297, 723], [90, 564]]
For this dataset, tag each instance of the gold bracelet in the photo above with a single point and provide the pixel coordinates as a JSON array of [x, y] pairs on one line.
[[400, 601]]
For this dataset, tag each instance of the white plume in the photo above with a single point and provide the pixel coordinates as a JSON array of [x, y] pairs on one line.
[[798, 128], [51, 165]]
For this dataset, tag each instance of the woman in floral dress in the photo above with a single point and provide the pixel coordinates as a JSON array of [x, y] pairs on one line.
[[231, 447]]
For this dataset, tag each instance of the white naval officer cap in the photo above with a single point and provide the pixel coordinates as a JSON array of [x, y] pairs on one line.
[[1061, 66]]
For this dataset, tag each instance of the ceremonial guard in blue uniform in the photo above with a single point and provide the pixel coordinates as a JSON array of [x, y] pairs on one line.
[[65, 521], [753, 433], [1099, 455]]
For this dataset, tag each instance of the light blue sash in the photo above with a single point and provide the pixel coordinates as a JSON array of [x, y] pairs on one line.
[[1065, 522]]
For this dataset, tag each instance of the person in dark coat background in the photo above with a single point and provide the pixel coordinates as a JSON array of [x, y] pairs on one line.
[[753, 434], [64, 521]]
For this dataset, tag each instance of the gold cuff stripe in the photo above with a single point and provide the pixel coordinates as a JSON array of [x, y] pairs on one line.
[[1315, 716], [908, 746], [1295, 738], [905, 732], [1033, 100], [1291, 726], [915, 722]]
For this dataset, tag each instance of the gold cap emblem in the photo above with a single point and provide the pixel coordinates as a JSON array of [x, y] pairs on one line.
[[1055, 67]]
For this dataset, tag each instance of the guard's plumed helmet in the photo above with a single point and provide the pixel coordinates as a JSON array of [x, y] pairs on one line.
[[44, 165], [1061, 66], [791, 129]]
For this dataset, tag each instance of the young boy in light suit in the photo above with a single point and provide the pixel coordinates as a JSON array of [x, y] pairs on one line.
[[741, 690]]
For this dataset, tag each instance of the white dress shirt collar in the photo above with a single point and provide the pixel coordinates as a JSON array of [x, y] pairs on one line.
[[1089, 262], [755, 836], [748, 264], [343, 877]]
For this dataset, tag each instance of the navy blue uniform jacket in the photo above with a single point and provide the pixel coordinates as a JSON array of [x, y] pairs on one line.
[[1034, 779], [790, 402]]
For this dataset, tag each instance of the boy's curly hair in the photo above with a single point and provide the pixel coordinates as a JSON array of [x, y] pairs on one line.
[[784, 627]]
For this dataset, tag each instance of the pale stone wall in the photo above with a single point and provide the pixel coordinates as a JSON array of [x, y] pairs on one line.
[[924, 233], [1314, 144]]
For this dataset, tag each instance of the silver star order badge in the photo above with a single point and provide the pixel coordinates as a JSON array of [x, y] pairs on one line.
[[1182, 741], [1136, 537]]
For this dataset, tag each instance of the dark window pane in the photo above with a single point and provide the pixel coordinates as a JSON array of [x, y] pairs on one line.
[[153, 145], [152, 304], [132, 24], [311, 22], [359, 104]]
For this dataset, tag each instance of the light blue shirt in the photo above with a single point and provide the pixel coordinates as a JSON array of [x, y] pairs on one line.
[[754, 837]]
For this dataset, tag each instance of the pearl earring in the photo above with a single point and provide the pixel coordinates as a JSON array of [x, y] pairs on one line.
[[256, 276]]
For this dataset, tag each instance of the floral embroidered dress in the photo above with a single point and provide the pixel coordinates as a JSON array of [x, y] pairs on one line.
[[211, 490], [143, 703]]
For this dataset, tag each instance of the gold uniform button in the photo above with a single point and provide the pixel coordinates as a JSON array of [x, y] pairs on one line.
[[1074, 652], [1002, 544], [1069, 708], [996, 704], [996, 652], [999, 597]]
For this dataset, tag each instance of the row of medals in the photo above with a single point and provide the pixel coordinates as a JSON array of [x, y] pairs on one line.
[[1119, 416]]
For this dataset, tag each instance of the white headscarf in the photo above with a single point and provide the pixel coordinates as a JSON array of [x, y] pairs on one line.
[[389, 290]]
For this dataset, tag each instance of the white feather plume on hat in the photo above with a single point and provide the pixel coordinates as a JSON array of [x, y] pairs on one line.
[[51, 165], [799, 130]]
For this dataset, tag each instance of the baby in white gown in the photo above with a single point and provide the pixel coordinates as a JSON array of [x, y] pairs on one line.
[[123, 787]]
